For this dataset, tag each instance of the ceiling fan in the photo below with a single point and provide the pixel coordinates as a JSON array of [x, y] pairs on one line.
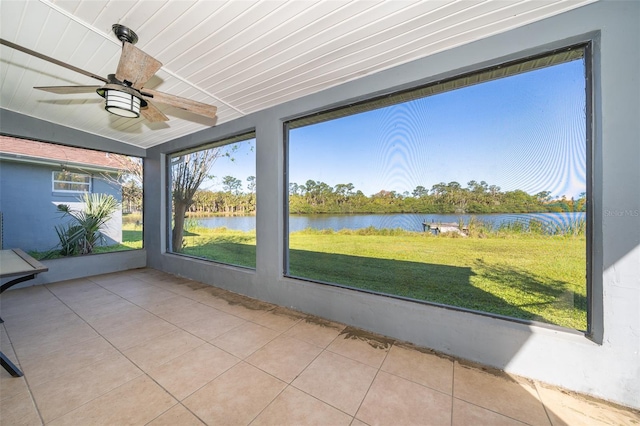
[[124, 91]]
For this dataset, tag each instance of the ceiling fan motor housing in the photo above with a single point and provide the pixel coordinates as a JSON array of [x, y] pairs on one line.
[[124, 33]]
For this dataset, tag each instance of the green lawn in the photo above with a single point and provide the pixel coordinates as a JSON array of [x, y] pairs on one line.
[[524, 276], [527, 277]]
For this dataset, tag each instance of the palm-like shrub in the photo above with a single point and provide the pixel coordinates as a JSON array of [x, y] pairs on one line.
[[83, 232]]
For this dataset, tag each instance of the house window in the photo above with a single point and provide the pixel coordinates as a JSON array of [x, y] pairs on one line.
[[64, 181], [471, 193], [212, 189]]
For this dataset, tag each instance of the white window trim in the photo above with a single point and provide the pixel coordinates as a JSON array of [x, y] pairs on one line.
[[70, 191]]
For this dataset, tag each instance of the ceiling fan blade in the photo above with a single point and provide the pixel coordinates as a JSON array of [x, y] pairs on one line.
[[67, 90], [152, 113], [135, 66], [52, 60], [178, 102]]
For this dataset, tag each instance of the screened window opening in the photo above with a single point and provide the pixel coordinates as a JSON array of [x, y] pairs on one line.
[[472, 192], [60, 201], [213, 201]]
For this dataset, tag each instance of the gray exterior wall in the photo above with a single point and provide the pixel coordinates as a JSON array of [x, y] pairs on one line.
[[29, 205], [607, 366]]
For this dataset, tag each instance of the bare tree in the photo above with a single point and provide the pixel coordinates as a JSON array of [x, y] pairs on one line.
[[128, 178], [188, 171]]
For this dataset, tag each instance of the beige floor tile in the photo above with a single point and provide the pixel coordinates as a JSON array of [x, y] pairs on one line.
[[284, 357], [361, 346], [565, 408], [161, 349], [64, 394], [106, 311], [235, 304], [336, 380], [176, 416], [129, 288], [106, 280], [181, 311], [504, 395], [316, 331], [76, 291], [465, 414], [294, 407], [393, 400], [123, 316], [422, 367], [136, 333], [136, 402], [63, 337], [244, 340], [81, 377], [151, 296], [242, 311], [236, 397], [187, 288], [214, 325], [11, 386], [21, 331], [192, 370], [19, 410], [33, 315], [197, 312], [203, 296], [279, 319], [45, 367], [102, 304], [16, 301]]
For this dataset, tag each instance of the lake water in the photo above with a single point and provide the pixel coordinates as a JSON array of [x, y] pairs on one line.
[[410, 222]]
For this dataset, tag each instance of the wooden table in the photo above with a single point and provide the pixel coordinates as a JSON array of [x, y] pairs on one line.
[[21, 267]]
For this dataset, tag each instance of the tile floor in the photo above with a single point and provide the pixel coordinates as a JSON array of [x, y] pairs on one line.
[[144, 347]]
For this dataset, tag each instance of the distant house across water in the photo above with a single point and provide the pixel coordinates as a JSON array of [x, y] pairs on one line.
[[36, 177]]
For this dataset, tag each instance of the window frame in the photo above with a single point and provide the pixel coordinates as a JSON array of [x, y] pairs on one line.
[[242, 136], [593, 295], [71, 191]]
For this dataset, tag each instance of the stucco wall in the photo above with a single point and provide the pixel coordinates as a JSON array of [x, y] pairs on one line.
[[29, 206], [609, 365]]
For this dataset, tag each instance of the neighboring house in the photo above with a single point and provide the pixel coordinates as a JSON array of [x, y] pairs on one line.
[[35, 177]]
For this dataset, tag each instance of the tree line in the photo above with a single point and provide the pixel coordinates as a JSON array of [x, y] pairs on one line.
[[316, 197], [230, 200], [476, 198]]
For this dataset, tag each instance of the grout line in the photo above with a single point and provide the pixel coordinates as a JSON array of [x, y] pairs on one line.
[[546, 411], [453, 390], [24, 376]]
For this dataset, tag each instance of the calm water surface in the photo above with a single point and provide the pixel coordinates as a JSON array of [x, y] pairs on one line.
[[410, 222]]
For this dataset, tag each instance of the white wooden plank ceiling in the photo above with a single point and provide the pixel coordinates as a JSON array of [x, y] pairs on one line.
[[242, 56]]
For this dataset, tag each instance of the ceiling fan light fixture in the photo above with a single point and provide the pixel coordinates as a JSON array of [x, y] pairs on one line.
[[122, 104]]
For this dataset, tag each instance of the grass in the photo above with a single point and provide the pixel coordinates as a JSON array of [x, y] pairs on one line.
[[521, 276], [222, 245]]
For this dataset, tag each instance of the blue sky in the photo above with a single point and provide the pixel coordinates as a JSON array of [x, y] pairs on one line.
[[241, 164], [522, 132]]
